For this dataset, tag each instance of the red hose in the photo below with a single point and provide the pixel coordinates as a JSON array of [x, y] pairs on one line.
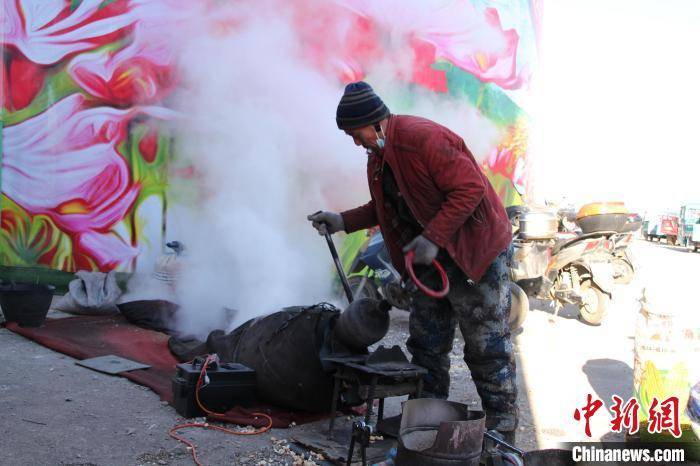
[[190, 445], [432, 293]]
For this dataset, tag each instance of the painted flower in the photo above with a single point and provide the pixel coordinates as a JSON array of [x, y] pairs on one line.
[[27, 240], [487, 51], [336, 39], [141, 72], [103, 251], [148, 144], [21, 79], [70, 171], [508, 162], [64, 164], [470, 38], [48, 30]]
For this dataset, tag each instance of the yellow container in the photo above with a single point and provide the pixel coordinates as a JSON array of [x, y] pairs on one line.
[[602, 208], [602, 216]]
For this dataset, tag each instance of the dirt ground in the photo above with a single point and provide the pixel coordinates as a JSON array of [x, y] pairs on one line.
[[55, 412]]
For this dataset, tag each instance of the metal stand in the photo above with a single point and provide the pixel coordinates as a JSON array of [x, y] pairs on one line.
[[383, 374], [361, 433]]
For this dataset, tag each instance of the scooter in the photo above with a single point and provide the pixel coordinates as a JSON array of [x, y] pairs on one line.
[[568, 269], [370, 272]]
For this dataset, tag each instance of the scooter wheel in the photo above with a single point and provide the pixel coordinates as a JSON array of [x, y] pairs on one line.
[[595, 304], [363, 287]]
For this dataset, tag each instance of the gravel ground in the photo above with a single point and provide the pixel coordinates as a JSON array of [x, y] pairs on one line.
[[55, 412]]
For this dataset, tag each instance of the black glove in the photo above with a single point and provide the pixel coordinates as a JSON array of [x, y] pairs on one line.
[[327, 221], [425, 250]]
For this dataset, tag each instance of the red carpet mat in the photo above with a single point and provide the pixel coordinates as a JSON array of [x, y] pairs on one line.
[[91, 336], [86, 337]]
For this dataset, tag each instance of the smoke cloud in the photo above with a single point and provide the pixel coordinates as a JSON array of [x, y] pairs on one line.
[[259, 126]]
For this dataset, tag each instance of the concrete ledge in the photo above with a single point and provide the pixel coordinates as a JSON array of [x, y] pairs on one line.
[[45, 275]]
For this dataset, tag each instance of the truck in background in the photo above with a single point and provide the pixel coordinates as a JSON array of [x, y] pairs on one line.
[[656, 227], [689, 228]]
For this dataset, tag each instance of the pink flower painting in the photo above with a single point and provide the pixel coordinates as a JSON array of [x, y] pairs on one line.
[[87, 84]]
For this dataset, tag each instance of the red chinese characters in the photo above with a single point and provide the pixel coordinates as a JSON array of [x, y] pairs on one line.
[[588, 411], [665, 418], [626, 416], [663, 415]]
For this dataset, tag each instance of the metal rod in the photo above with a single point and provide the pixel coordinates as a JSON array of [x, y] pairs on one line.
[[339, 267], [351, 450], [370, 399], [504, 443], [334, 404]]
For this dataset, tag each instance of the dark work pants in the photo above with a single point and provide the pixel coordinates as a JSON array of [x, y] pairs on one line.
[[481, 310]]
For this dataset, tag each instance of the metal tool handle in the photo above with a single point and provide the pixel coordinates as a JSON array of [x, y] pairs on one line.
[[338, 265]]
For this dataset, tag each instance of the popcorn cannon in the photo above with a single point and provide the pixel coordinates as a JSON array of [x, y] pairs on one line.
[[315, 358]]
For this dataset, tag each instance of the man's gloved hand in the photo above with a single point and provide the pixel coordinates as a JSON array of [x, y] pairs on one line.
[[327, 221], [425, 250]]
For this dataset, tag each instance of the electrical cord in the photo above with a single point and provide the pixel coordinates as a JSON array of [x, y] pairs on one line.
[[202, 382]]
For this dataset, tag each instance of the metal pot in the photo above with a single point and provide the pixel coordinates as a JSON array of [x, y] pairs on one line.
[[439, 433], [538, 225]]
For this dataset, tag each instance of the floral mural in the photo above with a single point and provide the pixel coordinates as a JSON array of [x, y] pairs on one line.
[[81, 100], [85, 106]]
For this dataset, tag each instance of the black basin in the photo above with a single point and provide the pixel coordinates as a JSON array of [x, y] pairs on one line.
[[26, 304]]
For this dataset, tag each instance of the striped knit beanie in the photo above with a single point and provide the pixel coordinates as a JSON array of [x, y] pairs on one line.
[[360, 107]]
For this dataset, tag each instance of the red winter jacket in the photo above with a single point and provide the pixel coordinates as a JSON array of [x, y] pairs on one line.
[[446, 191]]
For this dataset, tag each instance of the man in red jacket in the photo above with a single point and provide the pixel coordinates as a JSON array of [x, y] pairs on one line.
[[429, 195]]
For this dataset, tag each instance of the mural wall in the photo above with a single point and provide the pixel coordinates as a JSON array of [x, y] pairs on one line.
[[86, 114]]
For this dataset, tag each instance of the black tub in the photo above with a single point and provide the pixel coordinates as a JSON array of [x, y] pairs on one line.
[[602, 216], [602, 222], [26, 304]]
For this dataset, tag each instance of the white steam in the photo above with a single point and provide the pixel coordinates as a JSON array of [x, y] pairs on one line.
[[261, 132], [259, 126]]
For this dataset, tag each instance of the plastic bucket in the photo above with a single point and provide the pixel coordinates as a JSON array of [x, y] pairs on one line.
[[26, 304]]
